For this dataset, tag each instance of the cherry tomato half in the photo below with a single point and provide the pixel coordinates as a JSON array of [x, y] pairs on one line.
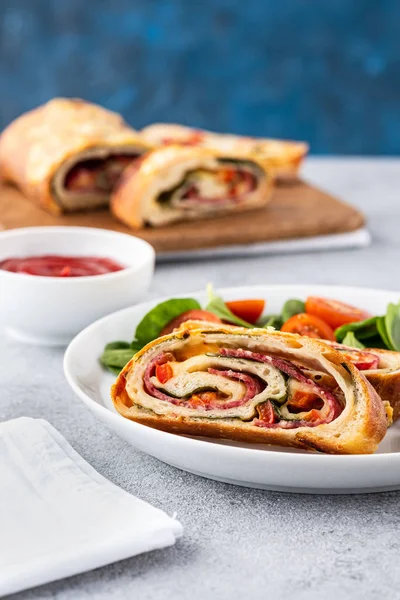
[[363, 359], [190, 315], [310, 326], [333, 312], [248, 310]]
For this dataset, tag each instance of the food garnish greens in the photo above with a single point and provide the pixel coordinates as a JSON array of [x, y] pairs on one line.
[[320, 318]]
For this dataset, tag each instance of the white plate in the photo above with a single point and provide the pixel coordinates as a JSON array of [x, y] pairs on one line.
[[266, 467]]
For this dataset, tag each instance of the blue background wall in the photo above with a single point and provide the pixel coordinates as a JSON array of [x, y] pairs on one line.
[[326, 71]]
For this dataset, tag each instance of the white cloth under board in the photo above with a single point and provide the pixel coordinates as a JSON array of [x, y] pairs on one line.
[[334, 241]]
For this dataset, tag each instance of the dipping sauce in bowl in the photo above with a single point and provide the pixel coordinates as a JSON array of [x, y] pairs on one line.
[[61, 266], [47, 292]]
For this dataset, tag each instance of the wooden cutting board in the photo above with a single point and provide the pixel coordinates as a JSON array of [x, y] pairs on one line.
[[296, 210]]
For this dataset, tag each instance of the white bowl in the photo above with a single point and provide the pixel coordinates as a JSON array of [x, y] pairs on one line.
[[52, 310]]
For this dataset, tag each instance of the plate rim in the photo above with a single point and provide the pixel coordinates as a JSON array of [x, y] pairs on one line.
[[203, 443]]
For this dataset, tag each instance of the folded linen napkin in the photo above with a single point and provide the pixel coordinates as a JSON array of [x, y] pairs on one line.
[[59, 517]]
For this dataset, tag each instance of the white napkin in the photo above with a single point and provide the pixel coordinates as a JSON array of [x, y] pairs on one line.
[[59, 517]]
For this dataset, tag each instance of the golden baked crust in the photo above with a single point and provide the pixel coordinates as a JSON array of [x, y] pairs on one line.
[[38, 143], [283, 156], [357, 430], [134, 200], [386, 379]]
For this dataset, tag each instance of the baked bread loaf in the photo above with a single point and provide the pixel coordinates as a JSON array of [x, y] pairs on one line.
[[252, 386], [178, 183], [67, 154]]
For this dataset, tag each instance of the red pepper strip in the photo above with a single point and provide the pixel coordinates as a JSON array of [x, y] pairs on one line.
[[266, 412]]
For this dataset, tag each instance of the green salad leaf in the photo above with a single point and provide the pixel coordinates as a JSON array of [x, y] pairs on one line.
[[217, 306], [351, 340], [292, 307], [377, 342], [117, 354], [118, 345], [383, 334], [378, 332], [271, 321], [363, 329], [392, 325], [152, 324], [116, 358]]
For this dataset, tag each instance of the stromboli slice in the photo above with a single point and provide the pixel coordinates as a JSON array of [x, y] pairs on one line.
[[250, 386], [283, 156], [176, 183], [67, 154], [381, 368]]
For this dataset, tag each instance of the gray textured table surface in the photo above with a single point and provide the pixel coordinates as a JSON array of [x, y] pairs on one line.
[[238, 542]]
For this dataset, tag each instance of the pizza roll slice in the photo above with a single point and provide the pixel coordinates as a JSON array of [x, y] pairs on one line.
[[68, 154], [252, 386], [178, 183]]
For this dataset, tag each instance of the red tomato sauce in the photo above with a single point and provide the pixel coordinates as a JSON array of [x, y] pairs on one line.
[[61, 266]]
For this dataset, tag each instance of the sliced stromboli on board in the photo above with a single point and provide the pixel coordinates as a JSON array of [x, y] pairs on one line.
[[250, 386], [179, 183], [283, 156], [68, 154]]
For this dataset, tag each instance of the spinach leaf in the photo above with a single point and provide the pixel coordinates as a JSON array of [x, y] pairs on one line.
[[381, 327], [351, 340], [151, 325], [217, 306], [117, 354], [136, 345], [376, 331], [118, 345], [271, 321], [392, 325], [292, 307], [117, 358], [377, 342], [364, 329]]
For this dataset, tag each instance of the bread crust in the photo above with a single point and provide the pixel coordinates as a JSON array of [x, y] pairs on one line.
[[358, 430], [283, 156], [387, 386], [140, 182], [39, 142]]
